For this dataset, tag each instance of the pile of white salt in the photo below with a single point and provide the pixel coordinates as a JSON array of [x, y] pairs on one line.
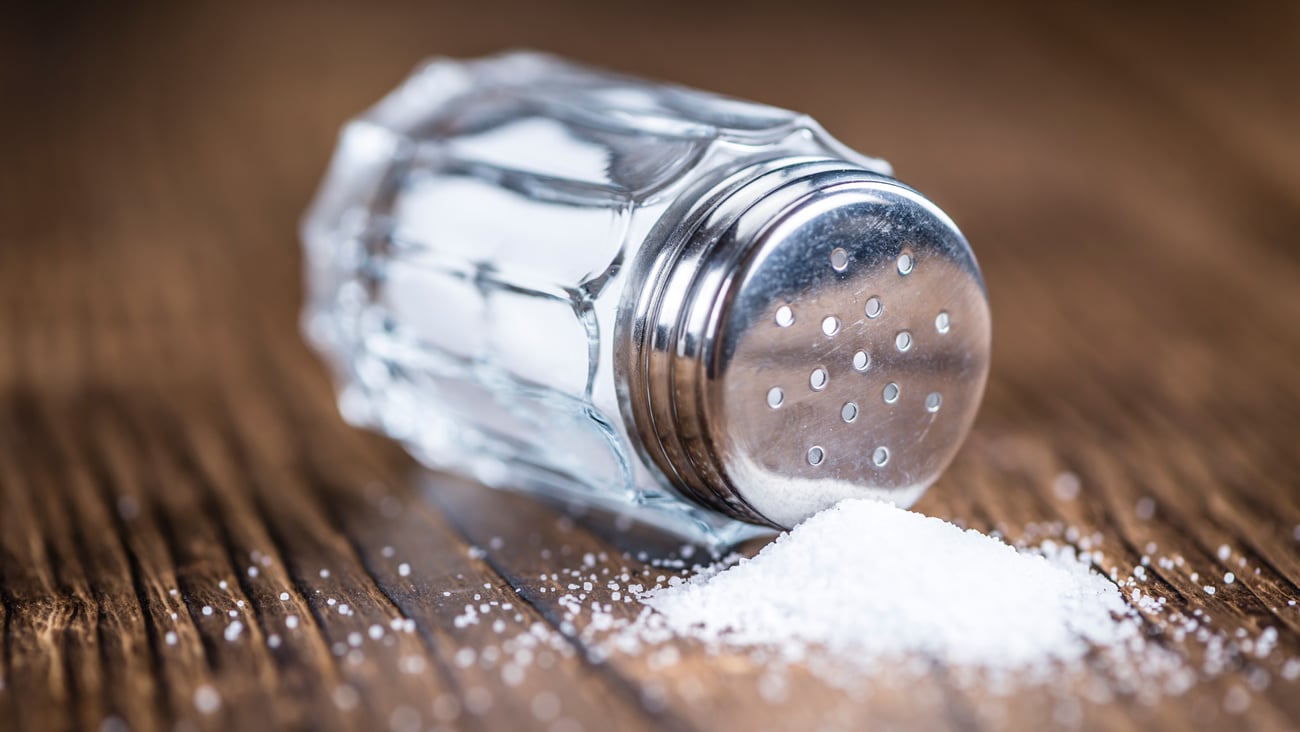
[[868, 582]]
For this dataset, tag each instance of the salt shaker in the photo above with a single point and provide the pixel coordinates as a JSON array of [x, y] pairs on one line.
[[702, 310]]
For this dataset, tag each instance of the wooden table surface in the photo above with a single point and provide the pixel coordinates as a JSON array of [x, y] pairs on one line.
[[1130, 179]]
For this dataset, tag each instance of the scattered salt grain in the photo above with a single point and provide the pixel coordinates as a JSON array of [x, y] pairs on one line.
[[207, 609], [545, 706], [1145, 508], [291, 622], [404, 569], [1229, 578], [206, 699], [1236, 701], [170, 637], [404, 718], [324, 574], [478, 700], [284, 597], [345, 697], [1224, 552], [446, 708], [1066, 486]]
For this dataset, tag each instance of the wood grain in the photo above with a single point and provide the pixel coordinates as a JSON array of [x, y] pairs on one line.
[[1129, 176]]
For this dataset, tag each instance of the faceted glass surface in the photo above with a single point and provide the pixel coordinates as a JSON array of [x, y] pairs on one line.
[[465, 259]]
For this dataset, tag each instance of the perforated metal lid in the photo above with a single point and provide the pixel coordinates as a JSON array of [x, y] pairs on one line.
[[813, 333]]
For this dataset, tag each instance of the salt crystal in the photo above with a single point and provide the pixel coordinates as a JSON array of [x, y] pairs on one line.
[[1145, 508], [1066, 486], [478, 700], [1209, 590], [960, 597], [345, 697], [206, 699], [291, 622], [1236, 701], [1291, 669], [404, 569], [545, 706], [1229, 578], [446, 707], [284, 597], [1224, 552], [207, 609]]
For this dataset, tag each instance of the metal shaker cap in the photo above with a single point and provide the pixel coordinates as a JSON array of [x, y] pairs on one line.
[[805, 332]]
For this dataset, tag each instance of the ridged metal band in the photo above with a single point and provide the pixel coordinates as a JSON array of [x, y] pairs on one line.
[[679, 285]]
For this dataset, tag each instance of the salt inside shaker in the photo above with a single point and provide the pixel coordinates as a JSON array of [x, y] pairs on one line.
[[703, 310]]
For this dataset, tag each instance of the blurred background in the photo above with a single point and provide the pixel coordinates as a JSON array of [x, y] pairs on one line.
[[1089, 146], [1127, 173]]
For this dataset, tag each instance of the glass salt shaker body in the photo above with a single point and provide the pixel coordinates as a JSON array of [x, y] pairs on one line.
[[501, 245]]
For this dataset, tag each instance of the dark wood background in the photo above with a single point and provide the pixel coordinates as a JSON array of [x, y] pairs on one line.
[[1129, 177]]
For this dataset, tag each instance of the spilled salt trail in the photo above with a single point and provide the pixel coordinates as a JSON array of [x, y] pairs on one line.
[[869, 582]]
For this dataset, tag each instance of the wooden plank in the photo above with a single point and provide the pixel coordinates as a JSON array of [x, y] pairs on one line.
[[123, 674], [1127, 178], [705, 690], [1227, 74], [433, 575], [39, 612]]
